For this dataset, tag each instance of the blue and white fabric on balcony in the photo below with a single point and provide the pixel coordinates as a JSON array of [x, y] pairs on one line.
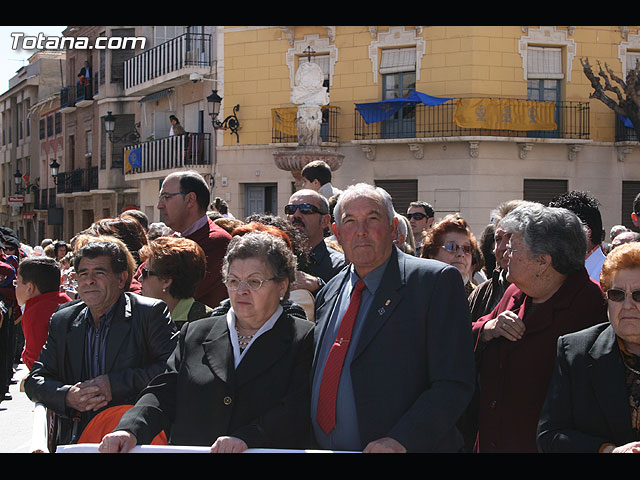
[[385, 109]]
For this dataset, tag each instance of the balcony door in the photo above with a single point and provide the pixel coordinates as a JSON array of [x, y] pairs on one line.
[[398, 71]]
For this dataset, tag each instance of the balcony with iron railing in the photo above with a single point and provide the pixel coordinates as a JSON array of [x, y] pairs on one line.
[[284, 130], [423, 121], [45, 199], [78, 180], [79, 95], [164, 154], [168, 64]]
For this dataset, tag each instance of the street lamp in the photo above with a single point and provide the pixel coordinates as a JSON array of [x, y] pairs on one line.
[[54, 166], [17, 178], [231, 122], [110, 126]]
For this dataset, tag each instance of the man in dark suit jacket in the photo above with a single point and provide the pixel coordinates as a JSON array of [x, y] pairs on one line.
[[183, 201], [101, 351], [409, 371]]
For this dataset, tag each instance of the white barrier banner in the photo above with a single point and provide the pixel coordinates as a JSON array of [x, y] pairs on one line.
[[93, 448]]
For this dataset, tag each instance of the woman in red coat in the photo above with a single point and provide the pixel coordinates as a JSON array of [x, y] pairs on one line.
[[550, 295]]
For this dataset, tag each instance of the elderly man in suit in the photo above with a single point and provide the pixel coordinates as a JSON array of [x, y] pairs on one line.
[[399, 379], [101, 351], [183, 201]]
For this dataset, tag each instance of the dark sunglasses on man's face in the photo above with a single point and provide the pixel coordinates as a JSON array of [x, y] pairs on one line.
[[417, 216], [305, 209], [617, 295]]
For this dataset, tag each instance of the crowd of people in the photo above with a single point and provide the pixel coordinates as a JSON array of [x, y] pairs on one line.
[[339, 324]]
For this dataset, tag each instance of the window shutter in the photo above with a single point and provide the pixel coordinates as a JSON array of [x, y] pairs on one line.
[[396, 60]]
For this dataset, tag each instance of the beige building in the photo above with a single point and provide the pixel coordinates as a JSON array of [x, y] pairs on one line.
[[91, 181], [421, 151], [26, 143]]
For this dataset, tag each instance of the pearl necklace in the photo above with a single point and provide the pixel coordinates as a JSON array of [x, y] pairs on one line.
[[243, 340]]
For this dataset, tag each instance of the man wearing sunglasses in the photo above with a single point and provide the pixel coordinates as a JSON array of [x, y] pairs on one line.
[[308, 211], [421, 216]]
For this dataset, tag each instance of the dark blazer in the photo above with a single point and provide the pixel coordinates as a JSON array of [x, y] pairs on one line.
[[214, 241], [325, 262], [141, 338], [513, 377], [413, 370], [587, 404], [265, 401]]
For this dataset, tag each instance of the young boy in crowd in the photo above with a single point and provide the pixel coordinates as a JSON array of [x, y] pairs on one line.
[[38, 291]]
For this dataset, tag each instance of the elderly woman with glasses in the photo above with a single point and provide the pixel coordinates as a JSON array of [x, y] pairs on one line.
[[450, 240], [593, 402], [239, 380], [550, 295], [172, 269]]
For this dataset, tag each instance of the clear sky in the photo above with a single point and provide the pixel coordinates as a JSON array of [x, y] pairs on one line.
[[11, 60]]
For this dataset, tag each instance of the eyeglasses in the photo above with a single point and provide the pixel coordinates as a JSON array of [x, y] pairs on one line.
[[253, 283], [617, 295], [509, 250], [305, 209], [163, 197], [146, 272], [416, 216], [453, 247]]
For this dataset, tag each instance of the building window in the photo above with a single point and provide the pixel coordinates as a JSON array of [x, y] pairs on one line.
[[543, 190], [403, 192], [544, 81], [630, 188], [398, 71]]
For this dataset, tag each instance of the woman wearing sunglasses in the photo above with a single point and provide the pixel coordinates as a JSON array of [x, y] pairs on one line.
[[451, 241], [550, 295], [172, 270], [593, 403]]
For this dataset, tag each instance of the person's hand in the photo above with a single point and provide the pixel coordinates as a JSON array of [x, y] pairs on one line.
[[507, 325], [104, 384], [385, 445], [228, 445], [119, 441], [304, 281], [84, 397], [633, 447]]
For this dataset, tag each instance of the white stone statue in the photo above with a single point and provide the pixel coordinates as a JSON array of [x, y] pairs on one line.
[[311, 96]]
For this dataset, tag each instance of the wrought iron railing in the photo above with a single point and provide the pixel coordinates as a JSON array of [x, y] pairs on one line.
[[78, 180], [189, 49], [169, 153], [624, 133], [283, 128], [422, 121]]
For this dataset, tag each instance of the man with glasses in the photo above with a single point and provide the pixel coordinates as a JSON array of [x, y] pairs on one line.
[[308, 211], [183, 202], [421, 216]]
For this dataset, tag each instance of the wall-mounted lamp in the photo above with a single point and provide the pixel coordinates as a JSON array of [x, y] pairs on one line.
[[30, 188], [55, 167], [110, 126], [231, 122]]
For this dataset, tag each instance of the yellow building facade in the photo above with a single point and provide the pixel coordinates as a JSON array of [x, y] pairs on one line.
[[454, 169]]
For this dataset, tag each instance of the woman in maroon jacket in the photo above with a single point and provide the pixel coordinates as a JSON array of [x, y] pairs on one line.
[[550, 295]]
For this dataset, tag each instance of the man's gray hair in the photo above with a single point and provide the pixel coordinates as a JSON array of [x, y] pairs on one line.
[[366, 190], [557, 232]]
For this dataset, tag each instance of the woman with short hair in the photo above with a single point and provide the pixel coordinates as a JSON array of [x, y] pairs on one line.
[[593, 402], [238, 380], [550, 295], [172, 270]]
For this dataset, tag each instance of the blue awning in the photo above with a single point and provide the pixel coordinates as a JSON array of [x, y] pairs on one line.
[[384, 109]]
